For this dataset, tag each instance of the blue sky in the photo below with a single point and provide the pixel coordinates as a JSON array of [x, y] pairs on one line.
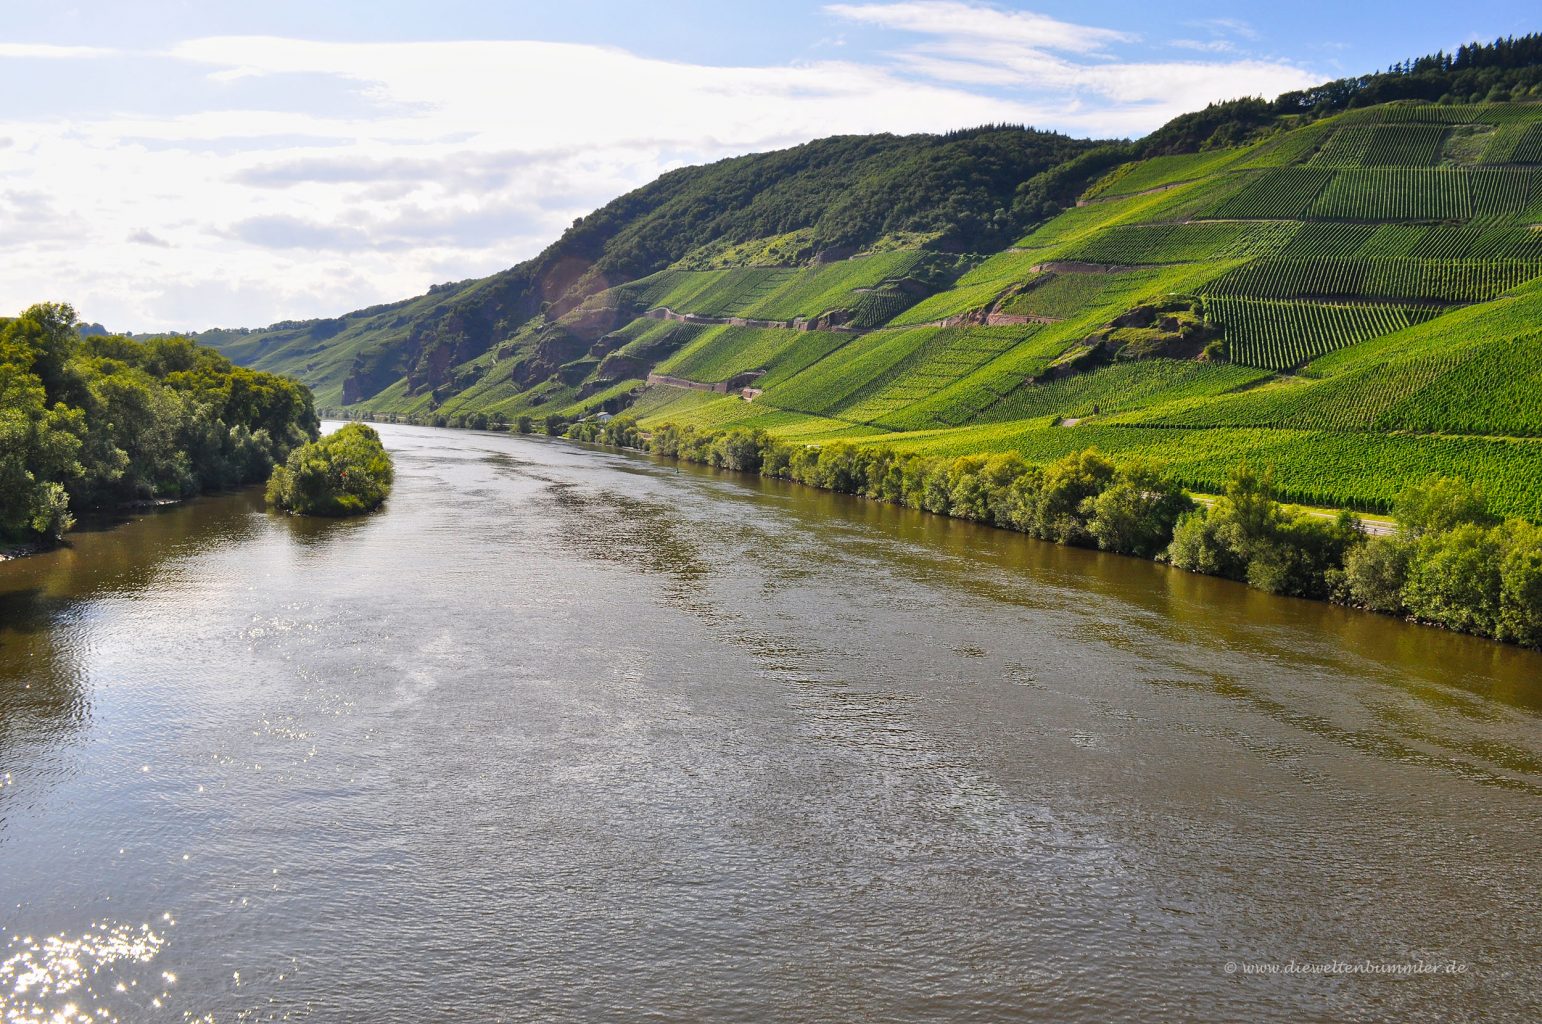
[[182, 164]]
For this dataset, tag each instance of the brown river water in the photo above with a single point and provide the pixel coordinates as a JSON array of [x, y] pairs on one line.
[[565, 734]]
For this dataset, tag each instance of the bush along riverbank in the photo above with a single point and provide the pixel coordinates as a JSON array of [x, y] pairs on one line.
[[346, 473], [1450, 564], [107, 422]]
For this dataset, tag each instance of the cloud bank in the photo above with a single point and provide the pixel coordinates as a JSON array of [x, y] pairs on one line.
[[289, 178]]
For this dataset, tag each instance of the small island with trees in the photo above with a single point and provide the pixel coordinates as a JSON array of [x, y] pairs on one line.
[[346, 473]]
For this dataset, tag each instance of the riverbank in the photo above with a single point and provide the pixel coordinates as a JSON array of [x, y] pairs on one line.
[[23, 550], [1444, 562]]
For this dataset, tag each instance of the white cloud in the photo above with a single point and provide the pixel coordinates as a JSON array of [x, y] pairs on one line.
[[1207, 45], [462, 158], [974, 21]]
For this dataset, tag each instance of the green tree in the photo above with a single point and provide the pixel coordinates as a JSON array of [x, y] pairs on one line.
[[1520, 585], [348, 472], [96, 421], [1137, 513], [1456, 578], [1439, 503], [1376, 571]]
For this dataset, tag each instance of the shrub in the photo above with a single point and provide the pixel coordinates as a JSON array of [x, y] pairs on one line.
[[1520, 585], [1438, 504], [1455, 578], [1197, 547], [1137, 513], [1375, 572], [1051, 506], [346, 473], [1304, 556], [49, 511], [1452, 566]]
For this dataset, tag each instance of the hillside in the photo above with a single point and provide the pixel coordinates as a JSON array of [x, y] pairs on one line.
[[824, 199], [1350, 293], [1355, 301]]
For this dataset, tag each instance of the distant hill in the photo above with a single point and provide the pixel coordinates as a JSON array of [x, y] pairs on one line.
[[833, 197], [1347, 289]]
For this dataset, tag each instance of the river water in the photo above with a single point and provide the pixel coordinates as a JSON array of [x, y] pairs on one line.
[[572, 735]]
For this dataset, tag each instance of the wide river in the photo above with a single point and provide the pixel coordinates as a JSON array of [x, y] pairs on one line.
[[564, 734]]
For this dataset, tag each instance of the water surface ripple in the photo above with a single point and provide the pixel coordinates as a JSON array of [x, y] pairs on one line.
[[570, 735]]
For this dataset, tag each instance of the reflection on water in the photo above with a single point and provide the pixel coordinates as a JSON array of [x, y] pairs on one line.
[[84, 979], [563, 734]]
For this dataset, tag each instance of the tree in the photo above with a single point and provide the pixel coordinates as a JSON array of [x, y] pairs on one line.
[[1439, 503], [99, 420], [1456, 578], [1376, 571], [1059, 511], [346, 473], [1137, 513], [1520, 585]]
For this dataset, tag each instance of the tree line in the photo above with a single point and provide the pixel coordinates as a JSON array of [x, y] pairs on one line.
[[98, 421], [1451, 563], [1504, 70]]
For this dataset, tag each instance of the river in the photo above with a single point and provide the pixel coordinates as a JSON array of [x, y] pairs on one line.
[[565, 734]]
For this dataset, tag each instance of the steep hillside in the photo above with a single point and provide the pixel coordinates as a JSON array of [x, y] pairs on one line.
[[1350, 292], [824, 199], [1357, 300]]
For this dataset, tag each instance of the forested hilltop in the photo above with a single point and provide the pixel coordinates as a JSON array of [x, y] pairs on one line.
[[99, 421], [1343, 283]]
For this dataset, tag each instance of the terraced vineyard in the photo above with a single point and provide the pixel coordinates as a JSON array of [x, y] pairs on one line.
[[1370, 286], [1356, 234], [946, 355], [1430, 281]]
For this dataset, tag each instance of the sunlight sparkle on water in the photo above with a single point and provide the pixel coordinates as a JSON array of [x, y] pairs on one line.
[[63, 980]]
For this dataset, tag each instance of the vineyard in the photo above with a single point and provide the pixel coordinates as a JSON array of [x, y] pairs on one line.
[[1360, 470], [1375, 277], [947, 355], [721, 352], [716, 293], [1281, 335], [1120, 387], [822, 288], [1286, 193], [1382, 145], [1181, 243], [1497, 389], [1060, 296], [1425, 281]]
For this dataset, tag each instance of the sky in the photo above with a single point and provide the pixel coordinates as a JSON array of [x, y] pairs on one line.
[[186, 164]]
